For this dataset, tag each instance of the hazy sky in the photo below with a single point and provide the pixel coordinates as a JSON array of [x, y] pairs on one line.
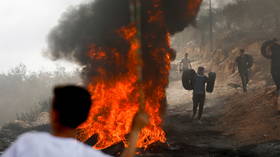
[[24, 25]]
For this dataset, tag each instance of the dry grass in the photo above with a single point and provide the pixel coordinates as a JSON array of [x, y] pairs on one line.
[[252, 118]]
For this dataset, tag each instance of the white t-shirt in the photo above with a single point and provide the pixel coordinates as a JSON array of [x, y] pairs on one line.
[[39, 144], [186, 64]]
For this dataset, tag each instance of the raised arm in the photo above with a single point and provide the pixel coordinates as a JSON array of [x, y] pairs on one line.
[[140, 121]]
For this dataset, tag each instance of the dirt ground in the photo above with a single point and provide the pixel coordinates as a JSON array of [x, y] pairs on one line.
[[234, 123], [195, 138], [252, 118]]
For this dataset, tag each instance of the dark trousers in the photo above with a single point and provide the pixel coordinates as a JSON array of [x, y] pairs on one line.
[[198, 102], [276, 78], [245, 79]]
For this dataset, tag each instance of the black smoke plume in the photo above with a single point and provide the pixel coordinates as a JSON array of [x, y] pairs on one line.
[[97, 23], [95, 28]]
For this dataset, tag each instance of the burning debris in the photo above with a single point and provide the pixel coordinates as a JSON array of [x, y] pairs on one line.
[[100, 37]]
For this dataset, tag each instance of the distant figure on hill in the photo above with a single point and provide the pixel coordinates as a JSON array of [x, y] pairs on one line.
[[70, 108], [244, 62]]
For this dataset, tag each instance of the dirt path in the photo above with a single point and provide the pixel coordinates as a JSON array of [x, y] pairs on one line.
[[187, 137], [234, 124], [181, 128]]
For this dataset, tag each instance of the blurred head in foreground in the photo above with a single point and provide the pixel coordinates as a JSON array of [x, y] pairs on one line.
[[70, 108]]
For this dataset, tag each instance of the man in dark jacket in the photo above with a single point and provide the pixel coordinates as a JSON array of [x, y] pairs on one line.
[[244, 63], [275, 67], [199, 92]]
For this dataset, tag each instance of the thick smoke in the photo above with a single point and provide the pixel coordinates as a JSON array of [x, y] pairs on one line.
[[179, 14], [97, 23], [98, 29], [94, 23]]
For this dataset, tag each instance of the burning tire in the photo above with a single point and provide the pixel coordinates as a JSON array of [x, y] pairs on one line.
[[211, 82], [187, 79]]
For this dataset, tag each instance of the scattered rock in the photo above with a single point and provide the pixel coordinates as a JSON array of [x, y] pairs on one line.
[[42, 119]]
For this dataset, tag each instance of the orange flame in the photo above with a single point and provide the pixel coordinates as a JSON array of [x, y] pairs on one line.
[[193, 8], [115, 101]]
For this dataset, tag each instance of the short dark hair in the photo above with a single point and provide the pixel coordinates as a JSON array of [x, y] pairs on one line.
[[200, 69], [72, 103], [242, 50]]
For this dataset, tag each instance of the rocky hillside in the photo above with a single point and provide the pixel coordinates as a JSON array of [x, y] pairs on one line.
[[252, 118]]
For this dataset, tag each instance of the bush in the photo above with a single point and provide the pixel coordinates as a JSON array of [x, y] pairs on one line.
[[22, 91]]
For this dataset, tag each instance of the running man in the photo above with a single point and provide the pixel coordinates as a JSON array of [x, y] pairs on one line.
[[244, 63]]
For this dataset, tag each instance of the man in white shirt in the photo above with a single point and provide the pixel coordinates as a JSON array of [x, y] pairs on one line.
[[70, 108], [185, 64]]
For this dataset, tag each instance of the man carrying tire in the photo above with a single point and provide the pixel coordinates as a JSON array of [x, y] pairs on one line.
[[199, 83], [244, 62], [199, 93], [275, 67], [271, 50]]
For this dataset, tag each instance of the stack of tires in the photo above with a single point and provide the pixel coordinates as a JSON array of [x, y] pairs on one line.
[[187, 79]]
